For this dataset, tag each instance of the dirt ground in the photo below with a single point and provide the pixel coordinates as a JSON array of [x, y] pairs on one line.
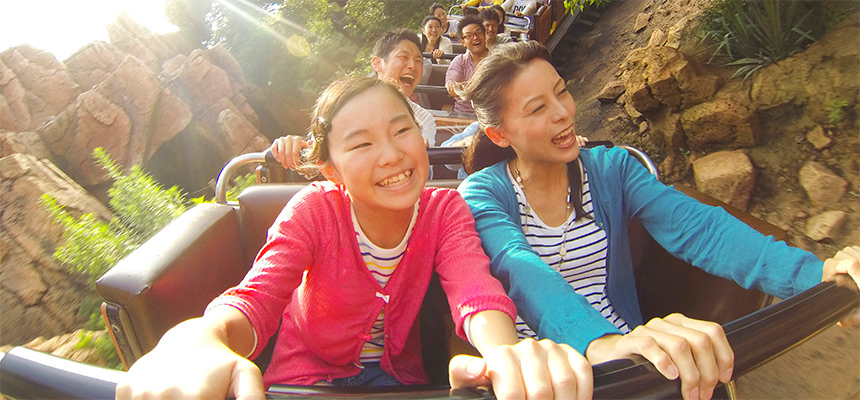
[[828, 365]]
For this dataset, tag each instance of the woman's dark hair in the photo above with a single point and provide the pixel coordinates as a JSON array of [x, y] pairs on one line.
[[487, 89], [433, 8], [488, 14], [497, 8]]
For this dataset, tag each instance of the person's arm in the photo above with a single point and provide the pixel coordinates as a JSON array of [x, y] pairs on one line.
[[845, 262], [288, 150], [207, 357], [516, 370], [530, 8], [545, 301], [455, 75], [709, 237], [520, 370], [200, 358]]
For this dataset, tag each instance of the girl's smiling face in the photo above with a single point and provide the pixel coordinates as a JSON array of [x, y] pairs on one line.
[[538, 116], [376, 151]]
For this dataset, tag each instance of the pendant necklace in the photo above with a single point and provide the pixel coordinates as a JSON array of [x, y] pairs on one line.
[[562, 251]]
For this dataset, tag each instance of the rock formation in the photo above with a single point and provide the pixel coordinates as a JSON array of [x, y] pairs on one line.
[[141, 96], [39, 296]]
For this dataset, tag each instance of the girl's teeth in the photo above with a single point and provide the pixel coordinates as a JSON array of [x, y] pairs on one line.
[[396, 179]]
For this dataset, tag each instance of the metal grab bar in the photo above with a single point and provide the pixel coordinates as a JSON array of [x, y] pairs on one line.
[[229, 171]]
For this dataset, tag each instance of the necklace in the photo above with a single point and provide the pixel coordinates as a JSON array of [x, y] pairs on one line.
[[562, 251]]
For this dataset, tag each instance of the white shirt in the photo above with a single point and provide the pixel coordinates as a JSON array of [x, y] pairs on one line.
[[426, 122]]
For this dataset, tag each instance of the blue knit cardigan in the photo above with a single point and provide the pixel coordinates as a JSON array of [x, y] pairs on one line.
[[622, 189]]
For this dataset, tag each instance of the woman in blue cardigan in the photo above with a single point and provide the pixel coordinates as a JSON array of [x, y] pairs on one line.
[[553, 218]]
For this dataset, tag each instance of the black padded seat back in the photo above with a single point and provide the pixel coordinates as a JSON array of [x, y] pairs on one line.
[[259, 206]]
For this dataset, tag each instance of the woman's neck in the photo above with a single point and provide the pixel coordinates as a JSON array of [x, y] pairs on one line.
[[431, 44], [540, 175], [382, 226], [546, 188]]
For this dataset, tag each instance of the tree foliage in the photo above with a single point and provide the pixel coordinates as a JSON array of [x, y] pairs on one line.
[[296, 46]]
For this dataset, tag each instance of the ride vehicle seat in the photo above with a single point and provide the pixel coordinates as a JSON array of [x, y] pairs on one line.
[[209, 248]]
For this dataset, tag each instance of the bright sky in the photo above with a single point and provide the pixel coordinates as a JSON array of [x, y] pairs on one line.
[[64, 26]]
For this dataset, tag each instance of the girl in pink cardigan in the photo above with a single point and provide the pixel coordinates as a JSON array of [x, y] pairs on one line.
[[343, 274]]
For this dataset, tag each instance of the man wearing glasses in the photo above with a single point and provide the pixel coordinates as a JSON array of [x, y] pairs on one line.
[[471, 33]]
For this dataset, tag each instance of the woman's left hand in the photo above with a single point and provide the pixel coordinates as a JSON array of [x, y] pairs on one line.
[[845, 262], [581, 140], [437, 54], [527, 370]]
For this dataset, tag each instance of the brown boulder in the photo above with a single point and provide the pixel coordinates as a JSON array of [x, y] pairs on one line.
[[610, 92], [641, 21], [135, 39], [723, 122], [94, 63], [37, 87], [129, 114], [726, 175], [825, 225], [822, 186], [828, 70], [665, 76], [666, 128], [39, 294], [23, 142]]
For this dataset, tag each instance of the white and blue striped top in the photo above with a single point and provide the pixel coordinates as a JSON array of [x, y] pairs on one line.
[[583, 264], [381, 263]]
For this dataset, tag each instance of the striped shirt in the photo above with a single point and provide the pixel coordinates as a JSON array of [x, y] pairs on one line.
[[381, 263], [582, 263]]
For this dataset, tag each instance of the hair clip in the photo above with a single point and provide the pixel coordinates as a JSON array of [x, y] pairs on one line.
[[325, 125]]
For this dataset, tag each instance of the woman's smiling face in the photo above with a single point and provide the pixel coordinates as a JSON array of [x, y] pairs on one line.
[[432, 30], [377, 152], [538, 117]]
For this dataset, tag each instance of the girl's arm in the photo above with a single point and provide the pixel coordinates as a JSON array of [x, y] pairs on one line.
[[528, 369], [524, 370], [199, 358]]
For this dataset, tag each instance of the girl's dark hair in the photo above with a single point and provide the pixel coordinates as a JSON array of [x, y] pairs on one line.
[[487, 90], [332, 99]]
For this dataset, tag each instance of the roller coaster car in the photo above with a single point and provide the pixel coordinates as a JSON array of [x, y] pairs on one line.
[[174, 275]]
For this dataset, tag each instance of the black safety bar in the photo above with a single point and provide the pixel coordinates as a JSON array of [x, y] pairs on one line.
[[755, 339]]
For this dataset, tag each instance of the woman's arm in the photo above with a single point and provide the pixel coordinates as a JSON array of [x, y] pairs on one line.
[[198, 358], [709, 237]]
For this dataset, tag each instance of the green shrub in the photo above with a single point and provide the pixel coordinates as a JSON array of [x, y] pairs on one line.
[[579, 5], [750, 34], [836, 111], [93, 246]]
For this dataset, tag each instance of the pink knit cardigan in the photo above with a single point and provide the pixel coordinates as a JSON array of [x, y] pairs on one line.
[[309, 277]]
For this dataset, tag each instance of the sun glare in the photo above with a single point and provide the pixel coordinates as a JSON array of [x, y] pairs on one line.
[[62, 26]]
